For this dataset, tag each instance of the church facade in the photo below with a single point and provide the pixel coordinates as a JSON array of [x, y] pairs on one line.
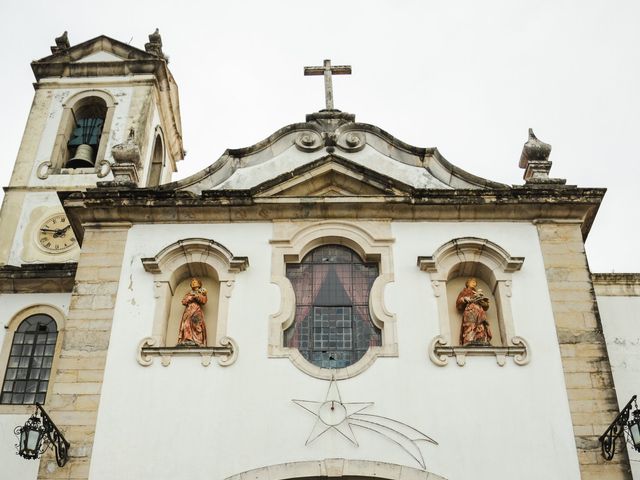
[[330, 302]]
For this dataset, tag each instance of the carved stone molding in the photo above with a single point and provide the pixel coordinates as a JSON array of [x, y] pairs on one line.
[[351, 141], [44, 170], [439, 352], [226, 354], [102, 169], [124, 174], [309, 141], [290, 243]]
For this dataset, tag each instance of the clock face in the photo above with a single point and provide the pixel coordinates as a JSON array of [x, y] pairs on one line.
[[55, 234]]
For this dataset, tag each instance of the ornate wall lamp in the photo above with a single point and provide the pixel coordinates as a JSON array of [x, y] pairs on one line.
[[35, 436], [622, 426]]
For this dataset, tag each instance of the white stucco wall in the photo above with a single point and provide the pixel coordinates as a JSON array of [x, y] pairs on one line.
[[621, 328], [11, 465], [190, 422]]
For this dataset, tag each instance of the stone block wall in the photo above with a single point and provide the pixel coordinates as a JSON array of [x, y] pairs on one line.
[[75, 396], [587, 371]]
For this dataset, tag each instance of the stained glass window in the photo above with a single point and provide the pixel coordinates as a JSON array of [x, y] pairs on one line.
[[332, 326], [27, 376]]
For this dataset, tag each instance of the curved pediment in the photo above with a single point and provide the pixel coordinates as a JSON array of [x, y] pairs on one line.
[[331, 154]]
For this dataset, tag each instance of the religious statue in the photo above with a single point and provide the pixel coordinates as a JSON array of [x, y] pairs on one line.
[[473, 304], [193, 331]]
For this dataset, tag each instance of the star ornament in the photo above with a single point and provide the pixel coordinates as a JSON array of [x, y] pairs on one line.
[[332, 414]]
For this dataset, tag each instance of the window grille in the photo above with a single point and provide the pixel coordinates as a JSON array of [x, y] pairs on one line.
[[30, 359], [87, 131], [332, 326]]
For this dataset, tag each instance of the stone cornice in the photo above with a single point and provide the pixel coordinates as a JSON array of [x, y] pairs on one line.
[[616, 284], [155, 66], [519, 204], [38, 278]]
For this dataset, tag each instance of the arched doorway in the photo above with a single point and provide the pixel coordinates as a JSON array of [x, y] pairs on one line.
[[343, 468]]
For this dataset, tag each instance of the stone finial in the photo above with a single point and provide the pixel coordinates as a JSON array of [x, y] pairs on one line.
[[535, 161], [126, 158], [62, 43], [154, 45], [534, 149]]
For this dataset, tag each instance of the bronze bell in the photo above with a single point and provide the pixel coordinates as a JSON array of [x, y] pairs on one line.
[[83, 158]]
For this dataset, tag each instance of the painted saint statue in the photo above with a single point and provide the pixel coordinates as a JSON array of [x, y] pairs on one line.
[[473, 304], [193, 331]]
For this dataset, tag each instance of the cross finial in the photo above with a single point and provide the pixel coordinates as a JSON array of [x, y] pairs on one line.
[[327, 70]]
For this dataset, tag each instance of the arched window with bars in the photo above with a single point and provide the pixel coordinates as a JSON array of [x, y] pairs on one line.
[[332, 326], [83, 133], [88, 123], [30, 360]]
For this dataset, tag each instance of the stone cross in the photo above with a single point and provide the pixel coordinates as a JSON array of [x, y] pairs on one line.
[[327, 70]]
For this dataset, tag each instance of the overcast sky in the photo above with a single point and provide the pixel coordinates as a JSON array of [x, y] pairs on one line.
[[468, 77]]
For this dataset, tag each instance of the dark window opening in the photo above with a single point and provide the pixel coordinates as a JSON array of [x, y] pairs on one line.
[[27, 376], [155, 171], [332, 326], [85, 137]]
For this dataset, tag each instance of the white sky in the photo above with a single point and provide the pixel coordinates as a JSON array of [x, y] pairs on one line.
[[468, 77]]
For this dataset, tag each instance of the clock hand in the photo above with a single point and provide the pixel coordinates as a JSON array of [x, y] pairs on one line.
[[57, 232], [61, 231]]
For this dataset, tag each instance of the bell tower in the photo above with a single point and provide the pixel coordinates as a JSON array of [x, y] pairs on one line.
[[103, 111]]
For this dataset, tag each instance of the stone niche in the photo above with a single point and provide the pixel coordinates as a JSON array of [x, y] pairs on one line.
[[172, 269], [449, 268]]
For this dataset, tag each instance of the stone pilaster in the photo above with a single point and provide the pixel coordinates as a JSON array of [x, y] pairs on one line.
[[587, 373], [75, 390]]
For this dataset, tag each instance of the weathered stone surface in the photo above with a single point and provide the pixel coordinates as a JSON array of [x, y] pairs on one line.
[[41, 278], [569, 336], [75, 393], [592, 399], [616, 284], [86, 340], [77, 388], [78, 361], [490, 202]]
